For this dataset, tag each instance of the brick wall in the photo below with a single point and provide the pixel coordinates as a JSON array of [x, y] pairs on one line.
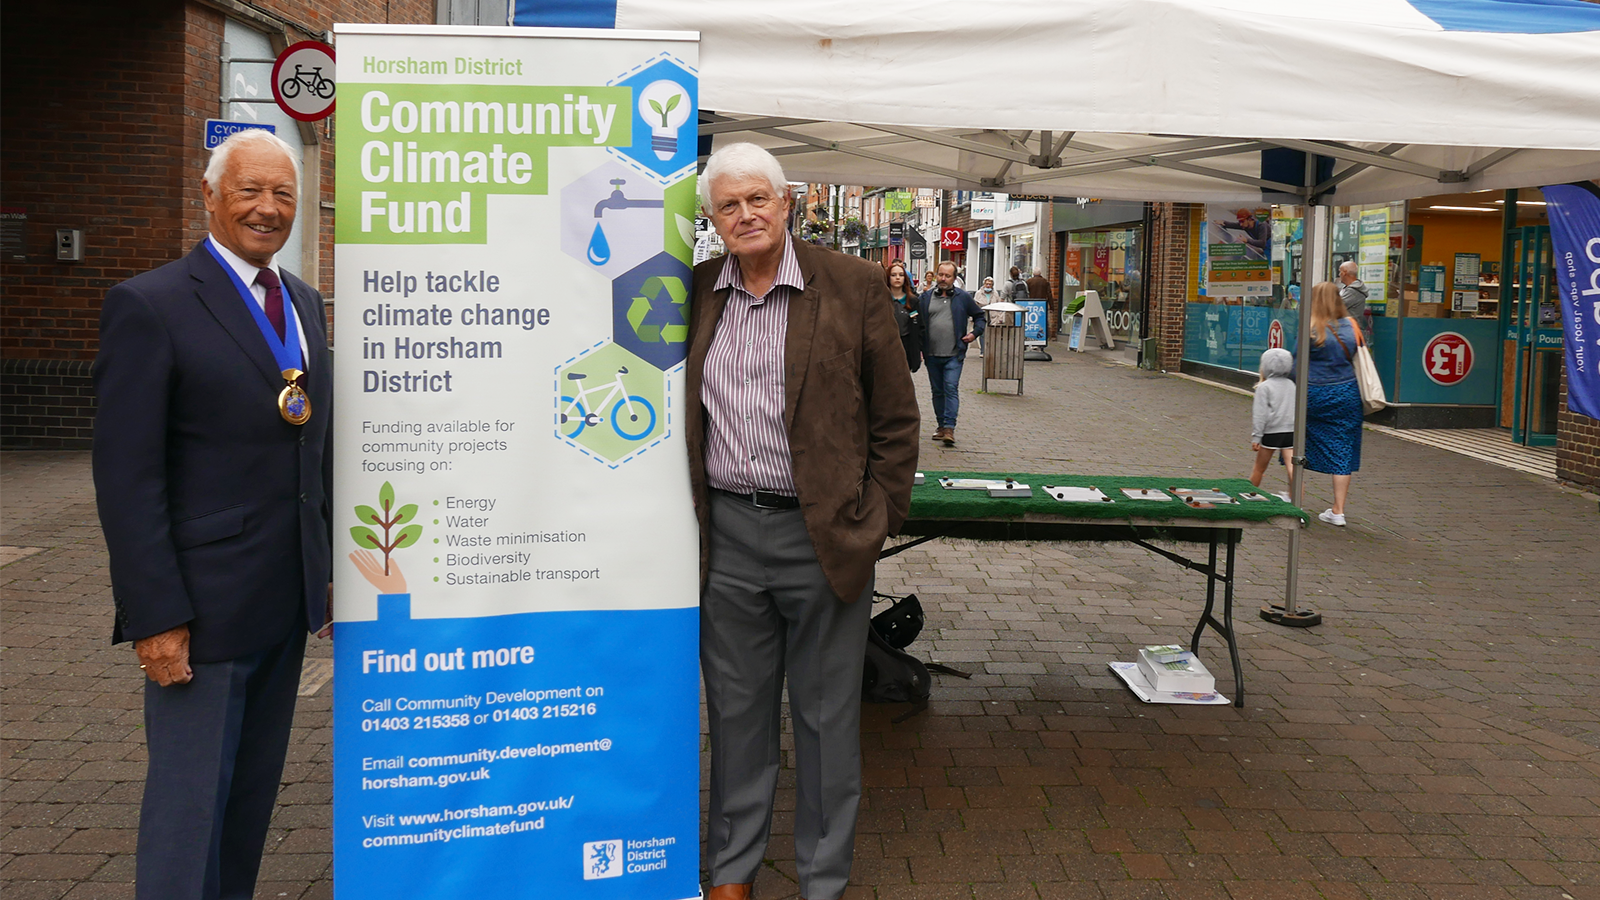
[[1577, 444], [94, 143], [104, 106], [1168, 280], [1058, 250]]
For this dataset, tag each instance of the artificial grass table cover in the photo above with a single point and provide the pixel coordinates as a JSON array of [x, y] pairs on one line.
[[929, 501]]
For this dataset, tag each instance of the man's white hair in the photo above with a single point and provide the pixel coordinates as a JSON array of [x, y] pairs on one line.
[[1348, 265], [739, 161], [246, 138]]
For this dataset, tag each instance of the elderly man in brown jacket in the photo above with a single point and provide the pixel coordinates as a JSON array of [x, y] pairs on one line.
[[802, 431]]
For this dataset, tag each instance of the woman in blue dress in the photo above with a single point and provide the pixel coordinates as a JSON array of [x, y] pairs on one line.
[[1333, 400]]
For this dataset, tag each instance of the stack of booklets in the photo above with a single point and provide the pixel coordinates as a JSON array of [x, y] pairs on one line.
[[1171, 668]]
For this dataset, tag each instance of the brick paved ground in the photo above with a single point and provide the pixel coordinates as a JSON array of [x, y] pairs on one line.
[[1437, 737]]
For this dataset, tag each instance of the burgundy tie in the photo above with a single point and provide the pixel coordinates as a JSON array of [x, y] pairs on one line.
[[274, 303]]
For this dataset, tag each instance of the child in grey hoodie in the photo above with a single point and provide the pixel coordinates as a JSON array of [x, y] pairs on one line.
[[1272, 417]]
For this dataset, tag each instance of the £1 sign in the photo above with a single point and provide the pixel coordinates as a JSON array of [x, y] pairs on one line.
[[1447, 358], [1275, 334]]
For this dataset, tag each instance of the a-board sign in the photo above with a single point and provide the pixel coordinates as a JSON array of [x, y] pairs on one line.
[[1094, 316], [1035, 312], [1075, 333]]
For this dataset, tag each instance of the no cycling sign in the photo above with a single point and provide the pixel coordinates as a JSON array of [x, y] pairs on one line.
[[302, 81]]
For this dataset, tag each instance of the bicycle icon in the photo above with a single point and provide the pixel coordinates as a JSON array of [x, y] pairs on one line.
[[311, 79], [629, 411]]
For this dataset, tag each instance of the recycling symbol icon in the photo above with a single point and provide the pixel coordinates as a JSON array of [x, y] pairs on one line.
[[657, 314], [650, 310]]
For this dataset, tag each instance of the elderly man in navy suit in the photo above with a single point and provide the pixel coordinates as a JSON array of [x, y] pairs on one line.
[[212, 476]]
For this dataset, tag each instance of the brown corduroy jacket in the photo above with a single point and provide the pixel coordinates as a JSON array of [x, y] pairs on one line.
[[849, 406]]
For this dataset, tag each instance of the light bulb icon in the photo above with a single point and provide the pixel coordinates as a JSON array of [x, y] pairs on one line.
[[665, 105]]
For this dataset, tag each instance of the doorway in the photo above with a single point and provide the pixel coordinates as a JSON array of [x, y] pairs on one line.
[[1533, 331]]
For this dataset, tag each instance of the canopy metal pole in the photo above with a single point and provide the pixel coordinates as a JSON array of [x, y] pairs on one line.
[[1313, 268]]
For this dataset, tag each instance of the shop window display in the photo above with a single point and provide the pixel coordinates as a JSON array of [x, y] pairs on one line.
[[1245, 290], [1107, 261]]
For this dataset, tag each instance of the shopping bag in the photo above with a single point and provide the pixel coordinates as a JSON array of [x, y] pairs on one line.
[[1367, 380]]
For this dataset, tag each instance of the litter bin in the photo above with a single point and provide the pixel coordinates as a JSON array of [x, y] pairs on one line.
[[1003, 344]]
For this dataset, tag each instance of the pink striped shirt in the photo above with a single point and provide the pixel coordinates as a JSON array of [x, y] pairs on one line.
[[747, 445]]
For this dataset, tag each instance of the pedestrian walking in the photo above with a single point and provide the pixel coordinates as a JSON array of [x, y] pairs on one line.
[[946, 310], [1354, 293], [1272, 415], [1333, 400], [1038, 286], [1017, 287], [906, 313], [983, 297]]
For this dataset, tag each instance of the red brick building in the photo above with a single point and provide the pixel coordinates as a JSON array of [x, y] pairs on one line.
[[105, 109]]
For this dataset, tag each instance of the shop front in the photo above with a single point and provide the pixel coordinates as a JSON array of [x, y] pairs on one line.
[[1102, 250], [1244, 289], [1465, 330], [1017, 240], [1474, 340], [1107, 261]]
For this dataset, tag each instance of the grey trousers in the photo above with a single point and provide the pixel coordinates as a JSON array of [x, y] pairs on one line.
[[217, 746], [768, 611]]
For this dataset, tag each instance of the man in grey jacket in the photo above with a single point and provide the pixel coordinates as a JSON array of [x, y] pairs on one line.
[[1354, 294]]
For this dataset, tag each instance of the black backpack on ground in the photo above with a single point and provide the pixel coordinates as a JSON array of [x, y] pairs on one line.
[[901, 622], [891, 675]]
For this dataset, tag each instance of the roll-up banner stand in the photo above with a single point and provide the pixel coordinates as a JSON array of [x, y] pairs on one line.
[[515, 687]]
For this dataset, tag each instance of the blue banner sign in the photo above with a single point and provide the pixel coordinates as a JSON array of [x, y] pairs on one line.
[[219, 130], [1035, 312], [1575, 231], [516, 585]]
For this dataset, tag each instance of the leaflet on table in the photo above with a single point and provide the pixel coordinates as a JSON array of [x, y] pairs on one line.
[[516, 693]]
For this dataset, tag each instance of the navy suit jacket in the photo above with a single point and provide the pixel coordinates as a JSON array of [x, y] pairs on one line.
[[215, 509], [962, 308]]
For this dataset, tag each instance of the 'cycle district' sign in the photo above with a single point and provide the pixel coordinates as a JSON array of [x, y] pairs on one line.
[[517, 562]]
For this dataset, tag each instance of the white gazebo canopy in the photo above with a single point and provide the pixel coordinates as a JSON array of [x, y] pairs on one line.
[[1144, 99]]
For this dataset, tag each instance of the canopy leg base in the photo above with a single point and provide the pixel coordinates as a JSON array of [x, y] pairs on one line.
[[1300, 618]]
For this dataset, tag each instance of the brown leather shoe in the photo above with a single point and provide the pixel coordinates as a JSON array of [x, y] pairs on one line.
[[938, 434], [949, 437], [730, 892]]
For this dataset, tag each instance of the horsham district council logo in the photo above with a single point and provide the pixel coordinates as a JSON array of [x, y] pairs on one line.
[[602, 859]]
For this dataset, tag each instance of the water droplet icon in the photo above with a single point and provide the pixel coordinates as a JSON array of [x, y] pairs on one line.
[[599, 249]]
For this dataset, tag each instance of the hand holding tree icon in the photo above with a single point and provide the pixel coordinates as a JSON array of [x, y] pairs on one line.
[[390, 582], [388, 519]]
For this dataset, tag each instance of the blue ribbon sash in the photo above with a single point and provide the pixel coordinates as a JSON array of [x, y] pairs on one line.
[[285, 352]]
